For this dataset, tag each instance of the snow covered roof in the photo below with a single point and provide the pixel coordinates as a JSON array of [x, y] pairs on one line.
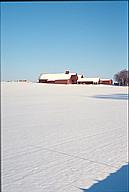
[[105, 79], [86, 79], [80, 77], [58, 76]]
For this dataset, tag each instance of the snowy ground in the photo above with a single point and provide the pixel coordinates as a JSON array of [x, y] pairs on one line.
[[59, 138]]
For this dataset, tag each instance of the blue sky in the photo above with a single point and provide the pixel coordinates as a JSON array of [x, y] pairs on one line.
[[50, 37]]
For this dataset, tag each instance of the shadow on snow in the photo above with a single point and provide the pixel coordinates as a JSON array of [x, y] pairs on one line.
[[116, 182], [112, 96]]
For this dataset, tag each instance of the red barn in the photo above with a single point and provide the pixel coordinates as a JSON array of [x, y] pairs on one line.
[[59, 78]]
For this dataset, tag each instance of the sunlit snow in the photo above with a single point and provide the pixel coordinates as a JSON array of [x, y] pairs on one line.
[[61, 138]]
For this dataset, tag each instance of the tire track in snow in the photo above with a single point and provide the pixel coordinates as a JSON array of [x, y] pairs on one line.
[[22, 153]]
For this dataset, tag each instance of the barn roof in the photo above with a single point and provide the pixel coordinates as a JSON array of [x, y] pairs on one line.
[[80, 77], [86, 79], [105, 79], [57, 76]]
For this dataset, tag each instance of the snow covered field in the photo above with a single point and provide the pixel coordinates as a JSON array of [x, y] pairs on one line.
[[61, 138]]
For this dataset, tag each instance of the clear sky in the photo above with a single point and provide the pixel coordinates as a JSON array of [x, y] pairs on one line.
[[50, 37]]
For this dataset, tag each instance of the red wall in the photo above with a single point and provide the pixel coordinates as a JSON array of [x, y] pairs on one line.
[[73, 79], [61, 81], [106, 82]]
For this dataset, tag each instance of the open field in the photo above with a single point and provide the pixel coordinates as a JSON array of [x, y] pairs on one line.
[[61, 138]]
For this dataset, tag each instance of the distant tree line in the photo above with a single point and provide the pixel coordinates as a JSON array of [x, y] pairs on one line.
[[122, 77]]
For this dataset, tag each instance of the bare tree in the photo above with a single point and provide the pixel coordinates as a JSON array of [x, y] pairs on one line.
[[122, 77]]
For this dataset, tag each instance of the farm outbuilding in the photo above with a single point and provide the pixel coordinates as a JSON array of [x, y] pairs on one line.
[[106, 81], [85, 80], [59, 78]]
